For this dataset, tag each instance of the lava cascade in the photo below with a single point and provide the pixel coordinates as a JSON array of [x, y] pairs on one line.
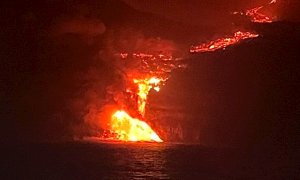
[[128, 123]]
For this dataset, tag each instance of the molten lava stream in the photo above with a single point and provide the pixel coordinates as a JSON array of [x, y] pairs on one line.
[[132, 129], [127, 128], [151, 72], [256, 16], [222, 43]]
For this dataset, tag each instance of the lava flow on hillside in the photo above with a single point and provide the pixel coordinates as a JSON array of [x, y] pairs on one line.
[[146, 71], [253, 14], [222, 43]]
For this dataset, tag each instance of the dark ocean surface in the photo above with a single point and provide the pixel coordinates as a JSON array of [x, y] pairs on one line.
[[87, 160]]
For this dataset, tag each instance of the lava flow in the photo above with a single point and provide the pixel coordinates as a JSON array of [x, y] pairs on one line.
[[132, 129], [255, 15], [144, 86], [143, 72], [222, 43], [127, 123]]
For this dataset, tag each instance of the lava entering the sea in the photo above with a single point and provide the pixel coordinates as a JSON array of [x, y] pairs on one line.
[[143, 72], [132, 129], [149, 72]]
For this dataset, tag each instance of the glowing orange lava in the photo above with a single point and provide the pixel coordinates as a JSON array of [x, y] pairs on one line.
[[144, 86], [222, 43], [255, 15], [150, 71], [132, 129], [153, 70], [127, 128], [146, 71]]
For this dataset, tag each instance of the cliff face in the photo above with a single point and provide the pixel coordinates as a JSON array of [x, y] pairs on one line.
[[245, 95]]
